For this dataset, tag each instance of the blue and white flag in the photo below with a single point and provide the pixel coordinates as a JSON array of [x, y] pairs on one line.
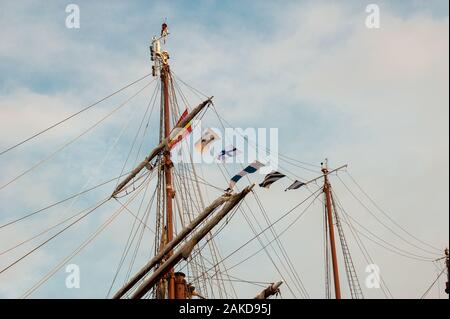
[[230, 152], [253, 167]]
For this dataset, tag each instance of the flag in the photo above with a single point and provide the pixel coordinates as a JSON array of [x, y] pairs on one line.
[[178, 133], [253, 167], [295, 185], [164, 30], [271, 178], [208, 137], [232, 151]]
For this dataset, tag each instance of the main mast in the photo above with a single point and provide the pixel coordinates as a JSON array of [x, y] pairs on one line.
[[169, 284], [161, 59], [167, 165], [168, 172]]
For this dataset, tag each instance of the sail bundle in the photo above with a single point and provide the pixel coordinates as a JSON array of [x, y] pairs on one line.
[[179, 133]]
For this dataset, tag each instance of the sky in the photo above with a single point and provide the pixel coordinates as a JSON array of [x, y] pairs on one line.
[[375, 99]]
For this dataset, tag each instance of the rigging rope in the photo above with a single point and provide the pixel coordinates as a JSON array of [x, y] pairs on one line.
[[72, 115], [139, 129], [381, 222], [433, 283], [76, 251], [249, 222], [261, 242], [54, 236], [282, 248], [255, 146], [295, 278], [144, 133], [327, 256], [61, 201], [402, 252], [44, 231], [74, 139], [352, 276], [193, 178], [139, 241], [265, 229], [384, 288], [284, 157], [130, 239], [279, 235], [387, 215]]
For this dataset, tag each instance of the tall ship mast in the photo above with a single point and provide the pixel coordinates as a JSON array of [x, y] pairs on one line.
[[166, 196]]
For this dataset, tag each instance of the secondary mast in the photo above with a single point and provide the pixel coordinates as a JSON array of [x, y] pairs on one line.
[[329, 210]]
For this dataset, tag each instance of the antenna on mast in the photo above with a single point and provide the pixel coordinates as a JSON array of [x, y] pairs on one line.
[[164, 30], [157, 56]]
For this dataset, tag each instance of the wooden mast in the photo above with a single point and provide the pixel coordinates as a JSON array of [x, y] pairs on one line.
[[160, 59], [172, 244], [328, 206], [169, 193], [186, 249]]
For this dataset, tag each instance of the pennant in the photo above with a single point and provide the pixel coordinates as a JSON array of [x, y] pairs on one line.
[[295, 185], [208, 137], [271, 178], [231, 152], [178, 133], [253, 167]]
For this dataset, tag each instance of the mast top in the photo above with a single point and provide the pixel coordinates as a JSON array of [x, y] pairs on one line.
[[164, 30], [324, 166], [157, 55]]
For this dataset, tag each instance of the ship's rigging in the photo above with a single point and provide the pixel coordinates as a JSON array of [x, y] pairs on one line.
[[186, 260]]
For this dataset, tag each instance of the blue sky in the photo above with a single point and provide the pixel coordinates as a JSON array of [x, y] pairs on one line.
[[376, 99]]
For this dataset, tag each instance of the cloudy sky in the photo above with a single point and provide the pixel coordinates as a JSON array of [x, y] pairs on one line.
[[376, 99]]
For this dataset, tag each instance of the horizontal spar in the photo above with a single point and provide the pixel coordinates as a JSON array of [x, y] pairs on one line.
[[273, 289], [325, 174], [161, 146], [172, 244], [185, 251]]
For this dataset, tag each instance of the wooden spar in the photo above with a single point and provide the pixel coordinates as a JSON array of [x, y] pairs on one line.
[[326, 173], [171, 245], [327, 192], [269, 291], [186, 249], [194, 112], [159, 148], [134, 172]]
